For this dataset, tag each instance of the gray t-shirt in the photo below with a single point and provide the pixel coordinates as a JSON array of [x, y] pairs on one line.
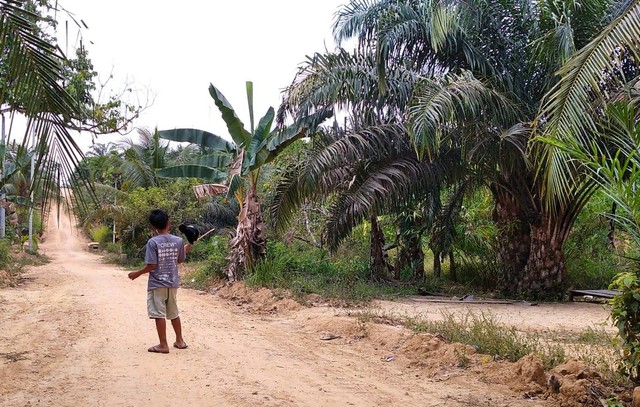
[[165, 251]]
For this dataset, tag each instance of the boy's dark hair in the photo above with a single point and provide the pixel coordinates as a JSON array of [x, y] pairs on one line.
[[159, 219]]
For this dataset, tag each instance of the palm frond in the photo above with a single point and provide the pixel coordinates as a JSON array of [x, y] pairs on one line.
[[348, 82], [390, 187], [439, 105], [570, 109]]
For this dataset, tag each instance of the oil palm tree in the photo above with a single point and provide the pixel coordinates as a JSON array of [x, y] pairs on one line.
[[367, 167], [483, 69], [142, 158]]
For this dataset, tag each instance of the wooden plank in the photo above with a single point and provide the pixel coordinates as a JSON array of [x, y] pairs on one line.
[[593, 293], [448, 300]]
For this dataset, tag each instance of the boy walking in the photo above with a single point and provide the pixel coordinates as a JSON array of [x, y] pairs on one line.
[[163, 253]]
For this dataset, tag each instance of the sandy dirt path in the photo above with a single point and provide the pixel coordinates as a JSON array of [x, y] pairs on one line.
[[76, 334]]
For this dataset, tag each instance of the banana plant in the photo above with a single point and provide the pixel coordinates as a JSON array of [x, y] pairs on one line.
[[237, 164]]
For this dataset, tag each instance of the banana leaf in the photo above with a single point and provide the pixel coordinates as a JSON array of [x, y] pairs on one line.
[[303, 127], [235, 126], [192, 171], [215, 160], [256, 153], [198, 137]]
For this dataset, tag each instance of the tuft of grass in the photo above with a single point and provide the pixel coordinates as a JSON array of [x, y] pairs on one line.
[[594, 336], [484, 332], [487, 335], [5, 254], [114, 248], [101, 234]]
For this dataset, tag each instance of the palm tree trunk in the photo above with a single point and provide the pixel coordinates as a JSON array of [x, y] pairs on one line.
[[437, 265], [543, 275], [410, 254], [377, 261], [452, 267], [530, 250], [514, 241]]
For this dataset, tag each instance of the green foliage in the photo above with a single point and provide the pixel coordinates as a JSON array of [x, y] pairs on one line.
[[488, 336], [34, 240], [475, 244], [101, 234], [176, 198], [591, 260], [305, 270], [625, 313], [217, 249], [114, 248], [202, 249], [5, 253]]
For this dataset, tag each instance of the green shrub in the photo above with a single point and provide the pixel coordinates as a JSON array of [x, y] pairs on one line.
[[202, 249], [101, 234], [213, 267], [303, 270], [476, 255], [5, 253], [591, 261], [625, 313], [35, 241], [175, 197], [114, 248]]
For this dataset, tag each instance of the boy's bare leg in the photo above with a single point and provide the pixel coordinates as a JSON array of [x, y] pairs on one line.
[[161, 327], [177, 327]]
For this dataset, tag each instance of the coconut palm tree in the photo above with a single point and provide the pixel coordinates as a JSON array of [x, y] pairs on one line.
[[31, 80]]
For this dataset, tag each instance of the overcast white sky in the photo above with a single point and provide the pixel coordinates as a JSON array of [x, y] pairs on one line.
[[175, 49]]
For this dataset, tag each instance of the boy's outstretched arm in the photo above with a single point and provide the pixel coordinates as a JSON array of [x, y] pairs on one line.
[[146, 269]]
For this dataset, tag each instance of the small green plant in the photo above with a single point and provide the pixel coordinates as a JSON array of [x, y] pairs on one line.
[[34, 240], [5, 254], [625, 313], [595, 336], [101, 234], [463, 358], [114, 248]]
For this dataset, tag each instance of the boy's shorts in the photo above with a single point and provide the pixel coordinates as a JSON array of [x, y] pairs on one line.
[[161, 303]]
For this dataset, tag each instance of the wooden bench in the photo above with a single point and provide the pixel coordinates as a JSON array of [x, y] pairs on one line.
[[608, 294]]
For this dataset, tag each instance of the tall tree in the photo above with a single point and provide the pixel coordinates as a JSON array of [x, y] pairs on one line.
[[483, 68], [239, 163]]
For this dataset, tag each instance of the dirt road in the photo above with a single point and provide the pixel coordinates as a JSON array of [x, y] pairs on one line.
[[76, 334]]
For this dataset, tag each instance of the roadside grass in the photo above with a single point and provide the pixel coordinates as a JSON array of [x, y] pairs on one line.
[[13, 262], [593, 346]]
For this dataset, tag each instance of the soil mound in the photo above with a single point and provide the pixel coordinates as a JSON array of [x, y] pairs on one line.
[[257, 300], [573, 384]]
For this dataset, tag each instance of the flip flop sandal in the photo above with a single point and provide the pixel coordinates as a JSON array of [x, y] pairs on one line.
[[154, 349]]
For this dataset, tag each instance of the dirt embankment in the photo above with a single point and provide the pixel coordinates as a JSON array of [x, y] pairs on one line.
[[76, 333]]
